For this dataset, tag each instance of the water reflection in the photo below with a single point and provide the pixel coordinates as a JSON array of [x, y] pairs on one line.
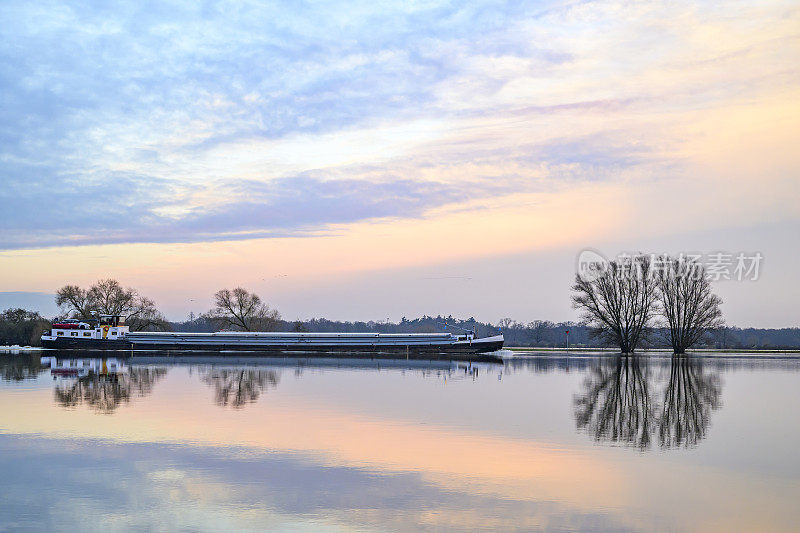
[[20, 367], [406, 446], [100, 386], [618, 402], [689, 397], [106, 383], [240, 386]]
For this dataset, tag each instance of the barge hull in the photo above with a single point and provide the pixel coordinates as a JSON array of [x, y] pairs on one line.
[[339, 349], [459, 348], [66, 343]]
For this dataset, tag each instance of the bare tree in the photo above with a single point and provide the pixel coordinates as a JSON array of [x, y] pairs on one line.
[[540, 328], [243, 310], [617, 301], [687, 304], [506, 323], [508, 326], [109, 297], [112, 298], [73, 300]]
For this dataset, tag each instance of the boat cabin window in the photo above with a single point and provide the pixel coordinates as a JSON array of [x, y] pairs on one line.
[[111, 320], [87, 333], [60, 333], [74, 333]]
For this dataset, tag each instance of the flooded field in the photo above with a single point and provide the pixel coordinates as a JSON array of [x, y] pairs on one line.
[[541, 442]]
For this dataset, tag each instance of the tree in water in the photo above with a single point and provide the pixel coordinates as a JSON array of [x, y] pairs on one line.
[[242, 310], [109, 297], [617, 301], [688, 306]]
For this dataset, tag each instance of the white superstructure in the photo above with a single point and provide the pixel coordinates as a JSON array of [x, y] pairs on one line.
[[106, 327]]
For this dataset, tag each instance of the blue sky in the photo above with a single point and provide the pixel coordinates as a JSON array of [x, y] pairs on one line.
[[170, 124], [101, 101]]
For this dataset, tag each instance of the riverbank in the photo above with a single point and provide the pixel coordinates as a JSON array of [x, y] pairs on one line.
[[527, 351], [20, 349]]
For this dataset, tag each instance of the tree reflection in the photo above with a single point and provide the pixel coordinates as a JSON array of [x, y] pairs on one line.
[[238, 387], [19, 367], [142, 379], [689, 397], [617, 403], [105, 393]]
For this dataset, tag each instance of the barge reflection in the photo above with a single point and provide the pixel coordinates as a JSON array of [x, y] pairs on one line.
[[637, 402], [104, 384]]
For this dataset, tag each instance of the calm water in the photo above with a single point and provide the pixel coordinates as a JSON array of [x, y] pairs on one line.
[[544, 443]]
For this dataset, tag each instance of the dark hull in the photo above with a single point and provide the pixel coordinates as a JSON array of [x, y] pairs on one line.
[[454, 349], [66, 343], [321, 360], [352, 350]]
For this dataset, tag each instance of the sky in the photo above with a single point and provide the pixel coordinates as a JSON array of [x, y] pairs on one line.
[[384, 159]]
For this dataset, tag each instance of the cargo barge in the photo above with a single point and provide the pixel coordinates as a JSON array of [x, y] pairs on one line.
[[108, 332]]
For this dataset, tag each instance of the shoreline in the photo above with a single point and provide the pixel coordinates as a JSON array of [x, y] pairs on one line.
[[509, 353]]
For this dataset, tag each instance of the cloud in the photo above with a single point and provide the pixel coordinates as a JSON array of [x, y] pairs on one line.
[[179, 122], [293, 206], [196, 487]]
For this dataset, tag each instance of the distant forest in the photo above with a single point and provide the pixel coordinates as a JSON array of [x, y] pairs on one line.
[[540, 333], [20, 327]]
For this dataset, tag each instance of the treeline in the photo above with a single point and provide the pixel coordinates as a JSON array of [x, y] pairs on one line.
[[21, 327], [546, 334], [613, 288], [539, 333], [425, 324]]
